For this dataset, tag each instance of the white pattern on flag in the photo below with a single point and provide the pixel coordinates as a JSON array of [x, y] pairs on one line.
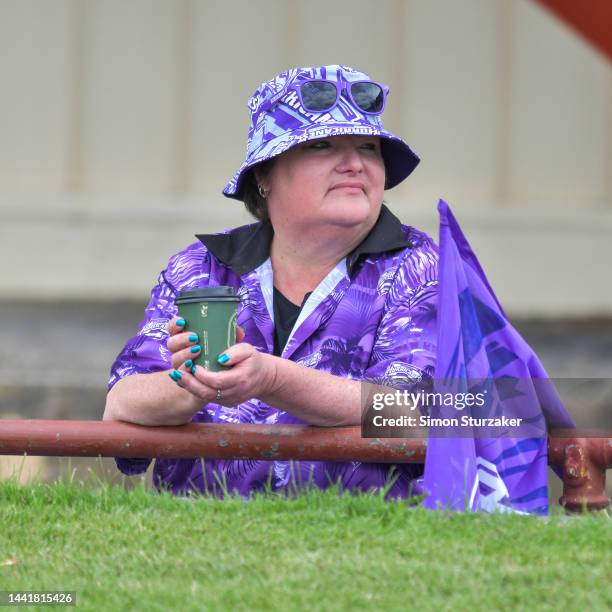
[[491, 501]]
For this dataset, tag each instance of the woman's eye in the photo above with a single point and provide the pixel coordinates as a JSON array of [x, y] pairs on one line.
[[319, 144], [370, 146]]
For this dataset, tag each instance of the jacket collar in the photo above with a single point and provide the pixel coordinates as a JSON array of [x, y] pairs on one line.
[[245, 248]]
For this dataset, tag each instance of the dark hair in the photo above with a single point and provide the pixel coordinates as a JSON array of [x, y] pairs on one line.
[[253, 201]]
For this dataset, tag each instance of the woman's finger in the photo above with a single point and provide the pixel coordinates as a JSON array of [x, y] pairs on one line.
[[214, 380], [175, 325], [235, 354], [184, 378], [179, 358], [181, 341], [240, 334]]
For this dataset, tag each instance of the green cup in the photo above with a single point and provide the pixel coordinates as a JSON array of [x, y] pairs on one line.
[[211, 313]]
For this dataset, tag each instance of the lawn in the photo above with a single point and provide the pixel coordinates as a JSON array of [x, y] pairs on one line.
[[136, 550]]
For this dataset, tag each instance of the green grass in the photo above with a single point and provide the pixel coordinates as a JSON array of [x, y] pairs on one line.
[[135, 550]]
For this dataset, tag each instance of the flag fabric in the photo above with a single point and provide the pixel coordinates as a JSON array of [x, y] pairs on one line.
[[476, 342]]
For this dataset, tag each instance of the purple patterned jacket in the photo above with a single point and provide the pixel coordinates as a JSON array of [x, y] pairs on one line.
[[373, 317]]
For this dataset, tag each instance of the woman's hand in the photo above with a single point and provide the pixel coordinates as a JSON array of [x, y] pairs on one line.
[[249, 373]]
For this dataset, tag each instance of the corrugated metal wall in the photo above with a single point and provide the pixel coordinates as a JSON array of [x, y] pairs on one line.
[[121, 121]]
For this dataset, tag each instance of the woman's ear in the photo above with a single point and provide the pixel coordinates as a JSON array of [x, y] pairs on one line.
[[261, 180], [261, 174]]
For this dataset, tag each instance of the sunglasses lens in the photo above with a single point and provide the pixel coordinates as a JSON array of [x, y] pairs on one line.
[[369, 97], [318, 95]]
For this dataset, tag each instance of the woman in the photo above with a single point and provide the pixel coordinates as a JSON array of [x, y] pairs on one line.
[[334, 290]]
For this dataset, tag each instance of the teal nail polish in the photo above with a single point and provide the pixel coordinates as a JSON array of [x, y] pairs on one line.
[[188, 363], [177, 375], [180, 322], [222, 359], [195, 349], [193, 370], [193, 338]]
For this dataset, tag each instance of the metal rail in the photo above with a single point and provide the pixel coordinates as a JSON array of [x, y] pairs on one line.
[[582, 457]]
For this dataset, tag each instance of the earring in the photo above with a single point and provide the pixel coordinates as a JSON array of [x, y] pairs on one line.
[[262, 192]]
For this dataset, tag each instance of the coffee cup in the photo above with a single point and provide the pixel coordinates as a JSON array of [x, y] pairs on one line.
[[210, 312]]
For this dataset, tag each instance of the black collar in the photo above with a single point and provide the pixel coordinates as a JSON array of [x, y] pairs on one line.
[[246, 248]]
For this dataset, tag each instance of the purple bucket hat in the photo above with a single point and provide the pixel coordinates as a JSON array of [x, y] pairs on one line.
[[279, 122]]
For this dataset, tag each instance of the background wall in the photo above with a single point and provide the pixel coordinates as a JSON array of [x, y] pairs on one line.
[[121, 122]]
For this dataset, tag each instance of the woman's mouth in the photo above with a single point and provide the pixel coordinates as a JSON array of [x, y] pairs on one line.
[[349, 186]]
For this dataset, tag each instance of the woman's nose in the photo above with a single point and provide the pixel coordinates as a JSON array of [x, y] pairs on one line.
[[349, 160]]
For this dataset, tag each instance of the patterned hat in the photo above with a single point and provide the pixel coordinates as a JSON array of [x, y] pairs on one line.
[[284, 123]]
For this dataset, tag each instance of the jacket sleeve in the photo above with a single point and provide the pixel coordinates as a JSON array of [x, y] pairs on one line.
[[146, 351], [404, 351]]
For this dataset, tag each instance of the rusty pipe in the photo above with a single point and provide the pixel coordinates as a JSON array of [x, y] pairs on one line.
[[218, 441], [583, 461], [582, 457]]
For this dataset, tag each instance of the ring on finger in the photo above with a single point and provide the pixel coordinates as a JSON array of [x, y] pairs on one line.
[[218, 396]]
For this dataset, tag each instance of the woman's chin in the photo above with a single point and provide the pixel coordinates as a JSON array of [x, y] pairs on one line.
[[350, 212]]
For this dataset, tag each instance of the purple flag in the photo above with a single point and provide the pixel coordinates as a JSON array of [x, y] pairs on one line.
[[479, 350]]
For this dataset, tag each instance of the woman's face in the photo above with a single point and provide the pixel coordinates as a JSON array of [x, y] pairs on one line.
[[332, 181]]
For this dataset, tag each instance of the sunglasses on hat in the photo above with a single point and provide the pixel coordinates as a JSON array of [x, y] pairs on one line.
[[319, 96]]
